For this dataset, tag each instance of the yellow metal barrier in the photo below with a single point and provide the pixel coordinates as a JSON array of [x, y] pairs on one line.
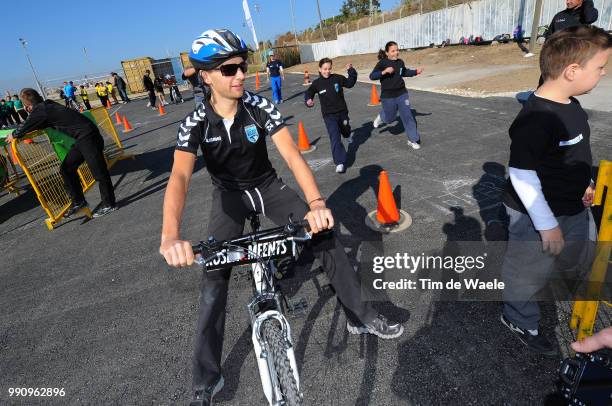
[[113, 148], [584, 312], [9, 177], [42, 168]]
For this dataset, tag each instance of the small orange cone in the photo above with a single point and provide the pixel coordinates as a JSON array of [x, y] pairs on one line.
[[303, 143], [126, 125], [387, 212], [257, 83], [162, 110], [108, 104], [374, 100], [306, 78], [117, 118]]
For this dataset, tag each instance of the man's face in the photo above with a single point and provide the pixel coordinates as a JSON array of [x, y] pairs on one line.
[[586, 77], [231, 87], [571, 4]]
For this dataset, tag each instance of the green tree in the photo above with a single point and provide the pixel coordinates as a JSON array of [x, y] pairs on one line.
[[358, 8]]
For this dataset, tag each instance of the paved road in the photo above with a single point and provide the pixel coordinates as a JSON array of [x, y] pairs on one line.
[[90, 307]]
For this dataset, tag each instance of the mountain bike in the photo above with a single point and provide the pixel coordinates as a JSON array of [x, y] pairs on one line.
[[271, 332]]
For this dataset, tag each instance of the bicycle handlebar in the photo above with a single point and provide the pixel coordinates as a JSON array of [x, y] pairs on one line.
[[276, 242]]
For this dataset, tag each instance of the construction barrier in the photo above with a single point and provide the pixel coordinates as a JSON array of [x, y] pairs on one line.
[[584, 312], [40, 163], [41, 160], [113, 148], [9, 176]]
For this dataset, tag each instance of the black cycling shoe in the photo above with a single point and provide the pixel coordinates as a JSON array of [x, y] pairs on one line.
[[75, 208], [380, 327], [537, 343], [204, 397]]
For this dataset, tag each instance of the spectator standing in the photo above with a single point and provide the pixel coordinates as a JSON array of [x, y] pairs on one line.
[[111, 91], [85, 97], [19, 107], [191, 75], [159, 89], [150, 88], [121, 87]]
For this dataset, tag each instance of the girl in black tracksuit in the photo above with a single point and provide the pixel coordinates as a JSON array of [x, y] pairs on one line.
[[333, 106]]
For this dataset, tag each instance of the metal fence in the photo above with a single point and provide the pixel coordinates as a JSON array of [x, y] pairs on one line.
[[486, 18]]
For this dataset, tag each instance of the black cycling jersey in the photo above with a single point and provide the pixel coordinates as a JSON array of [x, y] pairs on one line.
[[236, 159]]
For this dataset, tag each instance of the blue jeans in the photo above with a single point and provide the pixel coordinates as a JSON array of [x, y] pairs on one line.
[[401, 104], [276, 83], [337, 125], [123, 94]]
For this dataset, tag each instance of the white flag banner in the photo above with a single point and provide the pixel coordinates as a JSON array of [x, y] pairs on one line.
[[249, 21]]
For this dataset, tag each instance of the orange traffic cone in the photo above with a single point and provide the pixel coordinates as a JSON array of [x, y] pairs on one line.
[[306, 78], [117, 118], [303, 143], [387, 212], [257, 83], [162, 110], [126, 125], [374, 100], [108, 104]]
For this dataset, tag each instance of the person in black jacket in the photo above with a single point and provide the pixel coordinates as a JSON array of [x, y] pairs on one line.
[[578, 12], [88, 147], [149, 87], [391, 71], [120, 85], [333, 106]]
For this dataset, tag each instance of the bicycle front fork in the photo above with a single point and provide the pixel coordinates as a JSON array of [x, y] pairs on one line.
[[265, 363]]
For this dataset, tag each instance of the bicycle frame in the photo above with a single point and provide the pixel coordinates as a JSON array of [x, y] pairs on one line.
[[266, 303]]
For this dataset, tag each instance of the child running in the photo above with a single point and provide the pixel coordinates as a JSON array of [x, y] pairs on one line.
[[391, 71], [333, 106]]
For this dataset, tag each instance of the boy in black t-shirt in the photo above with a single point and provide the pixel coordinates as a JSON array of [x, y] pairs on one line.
[[333, 106], [550, 188]]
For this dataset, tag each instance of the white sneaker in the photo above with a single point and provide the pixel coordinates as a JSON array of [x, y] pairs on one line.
[[149, 104], [340, 168], [377, 121], [414, 145]]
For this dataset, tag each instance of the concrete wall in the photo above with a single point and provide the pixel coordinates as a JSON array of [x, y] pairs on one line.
[[486, 18]]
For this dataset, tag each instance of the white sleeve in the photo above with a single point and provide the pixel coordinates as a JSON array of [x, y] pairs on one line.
[[529, 189]]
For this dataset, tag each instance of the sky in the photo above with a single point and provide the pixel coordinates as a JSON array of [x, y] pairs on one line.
[[57, 31]]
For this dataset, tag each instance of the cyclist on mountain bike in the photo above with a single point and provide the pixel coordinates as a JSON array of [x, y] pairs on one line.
[[230, 126]]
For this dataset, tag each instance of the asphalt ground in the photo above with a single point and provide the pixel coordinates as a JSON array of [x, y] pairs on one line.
[[90, 307]]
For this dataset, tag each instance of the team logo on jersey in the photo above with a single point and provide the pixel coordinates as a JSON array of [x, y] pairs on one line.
[[337, 87], [251, 133]]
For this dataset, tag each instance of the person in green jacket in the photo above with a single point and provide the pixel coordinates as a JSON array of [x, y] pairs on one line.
[[23, 114]]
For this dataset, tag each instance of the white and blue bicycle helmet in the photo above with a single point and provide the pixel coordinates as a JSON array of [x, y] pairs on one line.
[[212, 47]]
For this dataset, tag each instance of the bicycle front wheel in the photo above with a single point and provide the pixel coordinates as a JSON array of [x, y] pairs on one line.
[[273, 335]]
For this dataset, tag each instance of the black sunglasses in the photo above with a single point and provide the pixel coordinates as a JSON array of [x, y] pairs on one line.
[[232, 68]]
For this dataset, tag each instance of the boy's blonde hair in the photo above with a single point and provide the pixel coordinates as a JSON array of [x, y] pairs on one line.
[[572, 45]]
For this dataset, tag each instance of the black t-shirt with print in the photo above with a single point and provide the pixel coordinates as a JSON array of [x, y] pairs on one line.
[[274, 67], [237, 160], [552, 139], [330, 91]]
